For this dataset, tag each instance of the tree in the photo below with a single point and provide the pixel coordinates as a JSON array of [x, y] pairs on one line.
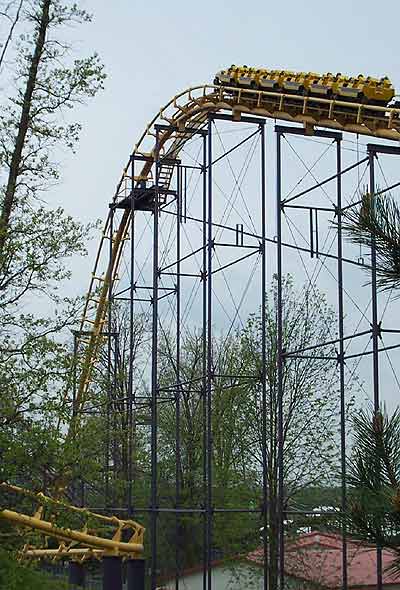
[[374, 476], [45, 87], [310, 400], [41, 83], [111, 432], [14, 575], [234, 480], [10, 12], [376, 222]]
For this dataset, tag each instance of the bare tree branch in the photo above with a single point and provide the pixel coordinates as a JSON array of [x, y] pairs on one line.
[[10, 32]]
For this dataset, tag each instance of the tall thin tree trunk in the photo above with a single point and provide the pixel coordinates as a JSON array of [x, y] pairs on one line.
[[23, 125]]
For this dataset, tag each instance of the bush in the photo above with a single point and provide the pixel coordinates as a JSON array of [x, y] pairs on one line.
[[17, 576]]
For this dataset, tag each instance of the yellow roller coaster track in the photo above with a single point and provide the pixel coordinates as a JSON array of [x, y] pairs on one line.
[[179, 118], [188, 111], [76, 544]]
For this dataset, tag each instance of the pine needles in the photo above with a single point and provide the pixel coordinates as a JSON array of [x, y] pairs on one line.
[[377, 223], [374, 476]]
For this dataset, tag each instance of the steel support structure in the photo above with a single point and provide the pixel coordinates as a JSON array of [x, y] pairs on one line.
[[373, 151], [178, 466], [177, 208], [76, 574], [208, 335], [375, 330], [281, 131], [112, 572], [264, 401], [175, 270], [206, 548], [135, 574], [341, 361]]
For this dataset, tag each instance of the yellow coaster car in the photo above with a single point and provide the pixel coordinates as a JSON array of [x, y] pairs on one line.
[[367, 90]]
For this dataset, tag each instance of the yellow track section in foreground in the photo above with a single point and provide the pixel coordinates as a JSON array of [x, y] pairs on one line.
[[74, 543], [189, 110]]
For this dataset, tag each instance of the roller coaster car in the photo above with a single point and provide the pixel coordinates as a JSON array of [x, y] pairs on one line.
[[366, 90]]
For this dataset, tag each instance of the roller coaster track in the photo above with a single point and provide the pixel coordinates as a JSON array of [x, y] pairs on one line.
[[73, 543], [179, 119]]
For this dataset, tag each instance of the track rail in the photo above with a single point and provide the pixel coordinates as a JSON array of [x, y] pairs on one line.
[[72, 542], [184, 112], [178, 120]]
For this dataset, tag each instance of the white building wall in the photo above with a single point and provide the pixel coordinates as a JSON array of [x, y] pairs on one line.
[[235, 577]]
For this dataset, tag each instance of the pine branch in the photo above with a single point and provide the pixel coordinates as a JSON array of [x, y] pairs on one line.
[[376, 223], [374, 474]]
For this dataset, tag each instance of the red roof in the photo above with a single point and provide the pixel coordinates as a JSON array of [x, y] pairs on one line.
[[317, 557]]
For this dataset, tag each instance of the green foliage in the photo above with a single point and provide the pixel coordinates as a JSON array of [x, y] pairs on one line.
[[119, 434], [310, 394], [376, 454], [374, 474], [15, 575], [61, 83], [311, 423], [43, 81], [377, 222], [310, 497]]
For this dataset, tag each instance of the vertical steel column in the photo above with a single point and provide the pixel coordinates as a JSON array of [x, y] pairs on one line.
[[76, 574], [178, 372], [375, 356], [112, 572], [115, 417], [154, 373], [209, 359], [264, 355], [280, 359], [341, 362], [74, 384], [204, 358], [135, 574], [131, 345], [375, 333], [74, 414], [109, 385]]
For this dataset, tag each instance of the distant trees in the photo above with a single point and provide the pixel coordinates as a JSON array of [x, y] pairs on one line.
[[234, 472], [310, 400], [111, 431]]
